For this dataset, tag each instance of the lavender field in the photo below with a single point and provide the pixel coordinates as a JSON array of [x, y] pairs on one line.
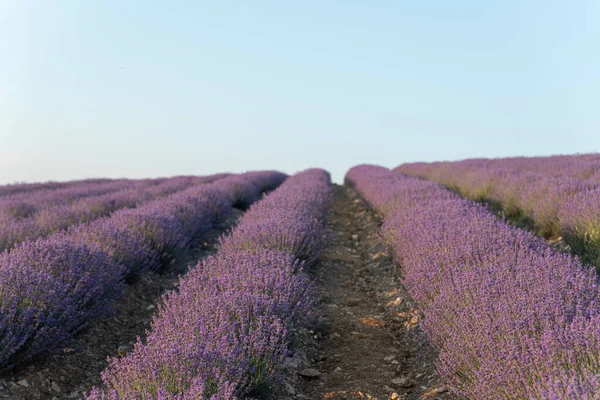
[[553, 196], [284, 200], [428, 281]]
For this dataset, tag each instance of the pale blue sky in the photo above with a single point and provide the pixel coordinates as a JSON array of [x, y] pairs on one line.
[[146, 88]]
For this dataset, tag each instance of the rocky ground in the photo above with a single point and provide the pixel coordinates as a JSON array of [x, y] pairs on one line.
[[366, 343], [77, 369]]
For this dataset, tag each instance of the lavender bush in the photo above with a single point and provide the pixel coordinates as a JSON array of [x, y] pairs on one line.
[[304, 203], [511, 317], [226, 330], [580, 221], [50, 290]]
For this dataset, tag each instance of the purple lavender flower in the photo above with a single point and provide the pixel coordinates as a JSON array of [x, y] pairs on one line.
[[511, 317]]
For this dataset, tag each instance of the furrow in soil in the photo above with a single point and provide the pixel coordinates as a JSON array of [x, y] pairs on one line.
[[366, 343]]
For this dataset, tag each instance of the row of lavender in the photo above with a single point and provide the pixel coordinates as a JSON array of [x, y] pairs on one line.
[[558, 195], [44, 212], [227, 329], [53, 287], [26, 204], [22, 188], [511, 317], [583, 166]]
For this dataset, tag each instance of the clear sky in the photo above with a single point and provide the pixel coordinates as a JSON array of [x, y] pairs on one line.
[[148, 88]]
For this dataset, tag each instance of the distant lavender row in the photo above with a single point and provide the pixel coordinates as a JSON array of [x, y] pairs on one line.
[[512, 318], [52, 288], [22, 205], [583, 166], [51, 218], [559, 195], [20, 188], [227, 329]]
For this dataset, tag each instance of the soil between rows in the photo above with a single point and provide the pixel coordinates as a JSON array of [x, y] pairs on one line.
[[366, 343], [75, 371]]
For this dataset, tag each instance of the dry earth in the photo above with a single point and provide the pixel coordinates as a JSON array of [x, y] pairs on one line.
[[367, 343]]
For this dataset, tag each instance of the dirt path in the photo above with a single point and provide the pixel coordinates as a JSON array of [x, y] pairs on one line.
[[78, 368], [367, 344]]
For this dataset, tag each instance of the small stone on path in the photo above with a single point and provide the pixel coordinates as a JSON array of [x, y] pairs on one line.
[[402, 382], [123, 349], [290, 389], [309, 373], [353, 301], [442, 389]]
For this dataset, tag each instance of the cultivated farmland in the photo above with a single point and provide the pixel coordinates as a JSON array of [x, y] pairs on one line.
[[473, 279]]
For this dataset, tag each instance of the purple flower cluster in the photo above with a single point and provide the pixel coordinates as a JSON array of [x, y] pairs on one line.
[[511, 317], [52, 288], [28, 216], [305, 204], [557, 195], [49, 290], [580, 224], [227, 328]]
